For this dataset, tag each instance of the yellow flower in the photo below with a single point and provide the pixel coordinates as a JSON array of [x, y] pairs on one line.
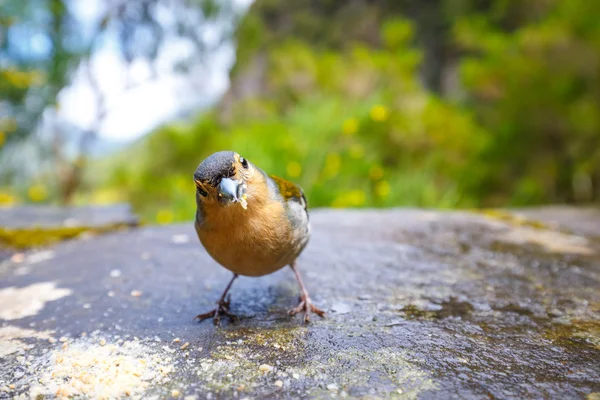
[[350, 126], [357, 151], [332, 165], [294, 169], [382, 189], [164, 216], [379, 113], [37, 193], [106, 196], [2, 138], [7, 198], [354, 198], [376, 172], [357, 197]]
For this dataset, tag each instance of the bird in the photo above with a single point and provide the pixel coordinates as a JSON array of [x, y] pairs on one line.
[[250, 223]]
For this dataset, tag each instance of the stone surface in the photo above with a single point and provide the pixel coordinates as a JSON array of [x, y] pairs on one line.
[[30, 226], [430, 305], [581, 221], [24, 217]]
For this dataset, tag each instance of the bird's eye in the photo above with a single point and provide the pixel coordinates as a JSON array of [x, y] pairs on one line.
[[201, 192], [200, 189], [244, 162]]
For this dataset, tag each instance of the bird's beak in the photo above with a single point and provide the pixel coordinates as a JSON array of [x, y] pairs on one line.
[[232, 191], [228, 189]]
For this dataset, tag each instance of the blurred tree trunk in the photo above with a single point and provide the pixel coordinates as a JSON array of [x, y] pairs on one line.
[[433, 35]]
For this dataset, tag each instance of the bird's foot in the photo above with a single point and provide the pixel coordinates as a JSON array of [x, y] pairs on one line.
[[221, 309], [306, 306]]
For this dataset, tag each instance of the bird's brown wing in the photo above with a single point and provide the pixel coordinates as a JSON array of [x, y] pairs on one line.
[[289, 190]]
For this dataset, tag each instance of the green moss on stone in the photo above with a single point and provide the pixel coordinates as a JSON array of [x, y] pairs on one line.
[[577, 333], [513, 219], [24, 238]]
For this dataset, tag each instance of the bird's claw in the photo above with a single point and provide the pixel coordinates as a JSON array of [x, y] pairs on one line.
[[221, 309], [306, 306]]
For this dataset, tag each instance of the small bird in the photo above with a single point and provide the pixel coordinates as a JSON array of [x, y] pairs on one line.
[[250, 223]]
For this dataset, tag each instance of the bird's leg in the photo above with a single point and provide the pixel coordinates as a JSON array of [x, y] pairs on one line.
[[222, 307], [306, 306]]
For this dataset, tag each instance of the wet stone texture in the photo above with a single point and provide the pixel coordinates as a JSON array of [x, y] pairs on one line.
[[421, 304]]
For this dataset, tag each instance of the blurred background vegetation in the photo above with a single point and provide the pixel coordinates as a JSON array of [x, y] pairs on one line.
[[430, 103]]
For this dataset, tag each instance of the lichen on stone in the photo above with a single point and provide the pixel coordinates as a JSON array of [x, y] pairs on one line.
[[250, 357], [24, 238], [287, 359], [575, 333]]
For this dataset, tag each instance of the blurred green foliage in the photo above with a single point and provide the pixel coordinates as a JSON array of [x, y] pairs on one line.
[[537, 90], [448, 103], [352, 123], [353, 128]]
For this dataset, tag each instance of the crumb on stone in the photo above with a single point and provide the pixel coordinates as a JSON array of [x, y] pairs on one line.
[[265, 368], [92, 368]]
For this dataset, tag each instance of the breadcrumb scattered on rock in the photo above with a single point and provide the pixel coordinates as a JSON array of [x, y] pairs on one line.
[[92, 368], [266, 368], [332, 387]]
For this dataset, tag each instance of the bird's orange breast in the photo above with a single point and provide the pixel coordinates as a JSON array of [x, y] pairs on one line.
[[252, 242]]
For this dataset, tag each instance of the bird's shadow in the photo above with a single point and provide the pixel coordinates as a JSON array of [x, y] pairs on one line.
[[270, 303]]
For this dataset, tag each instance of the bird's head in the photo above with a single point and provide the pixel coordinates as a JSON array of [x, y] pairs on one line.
[[222, 178]]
